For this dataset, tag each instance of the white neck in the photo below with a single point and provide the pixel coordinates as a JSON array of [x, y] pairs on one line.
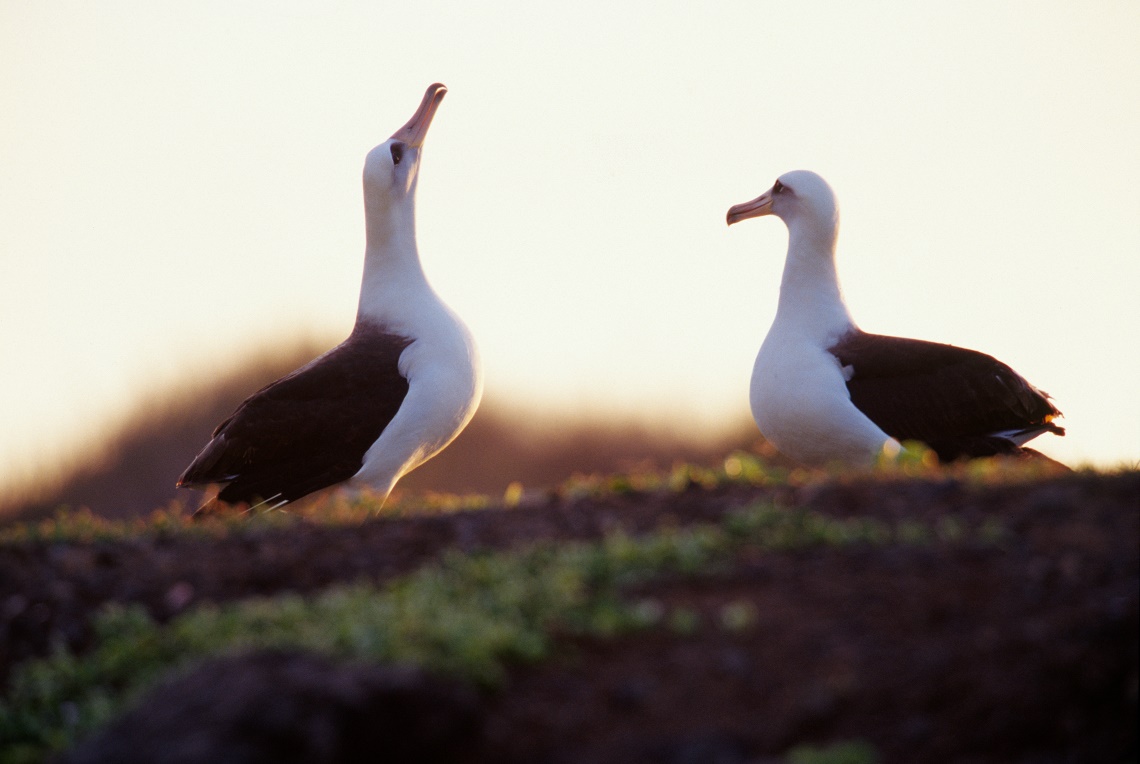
[[393, 276], [811, 301]]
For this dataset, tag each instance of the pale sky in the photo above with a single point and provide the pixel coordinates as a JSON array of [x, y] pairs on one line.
[[180, 184]]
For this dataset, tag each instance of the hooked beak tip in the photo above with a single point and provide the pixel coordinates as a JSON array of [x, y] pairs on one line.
[[414, 132]]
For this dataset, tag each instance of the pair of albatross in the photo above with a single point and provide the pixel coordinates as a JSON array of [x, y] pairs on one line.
[[407, 379]]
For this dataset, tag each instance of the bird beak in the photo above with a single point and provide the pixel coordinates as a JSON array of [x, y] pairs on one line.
[[413, 133], [761, 205]]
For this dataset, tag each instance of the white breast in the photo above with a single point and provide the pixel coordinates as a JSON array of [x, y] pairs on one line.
[[801, 405], [445, 384]]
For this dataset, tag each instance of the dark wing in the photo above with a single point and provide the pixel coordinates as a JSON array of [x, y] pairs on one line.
[[953, 399], [309, 429]]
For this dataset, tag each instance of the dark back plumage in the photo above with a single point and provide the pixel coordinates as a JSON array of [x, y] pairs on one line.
[[954, 399], [309, 429]]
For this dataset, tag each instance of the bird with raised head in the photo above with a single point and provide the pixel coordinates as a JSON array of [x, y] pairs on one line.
[[399, 389]]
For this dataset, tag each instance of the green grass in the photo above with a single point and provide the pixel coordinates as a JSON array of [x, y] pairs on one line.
[[739, 468], [849, 752], [467, 615]]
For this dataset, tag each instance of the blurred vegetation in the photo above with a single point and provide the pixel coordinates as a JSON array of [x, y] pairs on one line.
[[131, 470], [468, 615], [505, 448], [738, 468], [850, 752]]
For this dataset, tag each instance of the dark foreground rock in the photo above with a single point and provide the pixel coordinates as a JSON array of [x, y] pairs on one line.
[[291, 708]]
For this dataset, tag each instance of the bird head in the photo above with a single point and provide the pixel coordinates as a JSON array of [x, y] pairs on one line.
[[799, 198], [391, 168]]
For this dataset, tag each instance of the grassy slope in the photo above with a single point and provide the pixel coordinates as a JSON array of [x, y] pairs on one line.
[[464, 615]]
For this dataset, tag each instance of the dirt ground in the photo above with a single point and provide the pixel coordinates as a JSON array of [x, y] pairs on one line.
[[1025, 651]]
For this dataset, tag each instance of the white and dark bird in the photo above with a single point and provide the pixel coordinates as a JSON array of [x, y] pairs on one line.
[[403, 384], [824, 391]]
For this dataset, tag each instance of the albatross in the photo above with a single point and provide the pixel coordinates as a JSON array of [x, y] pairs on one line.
[[824, 391], [398, 390]]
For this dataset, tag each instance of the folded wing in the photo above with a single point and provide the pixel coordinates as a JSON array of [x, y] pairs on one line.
[[959, 402], [309, 429]]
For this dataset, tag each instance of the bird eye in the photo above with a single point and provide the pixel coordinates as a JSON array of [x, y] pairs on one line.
[[778, 187], [397, 152]]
